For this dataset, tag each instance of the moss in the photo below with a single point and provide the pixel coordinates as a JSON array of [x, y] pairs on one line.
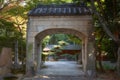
[[10, 78], [30, 48], [19, 71]]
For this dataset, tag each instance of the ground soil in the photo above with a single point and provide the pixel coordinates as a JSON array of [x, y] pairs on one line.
[[108, 75]]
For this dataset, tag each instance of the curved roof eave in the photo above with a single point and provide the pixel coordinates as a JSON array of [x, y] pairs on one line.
[[60, 10]]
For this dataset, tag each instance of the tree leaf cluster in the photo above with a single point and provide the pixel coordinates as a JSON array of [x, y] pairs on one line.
[[106, 20]]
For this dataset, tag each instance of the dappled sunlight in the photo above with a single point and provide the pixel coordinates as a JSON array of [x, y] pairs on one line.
[[42, 76], [66, 68], [45, 77]]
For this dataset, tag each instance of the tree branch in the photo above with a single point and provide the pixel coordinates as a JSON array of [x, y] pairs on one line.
[[103, 22], [3, 5]]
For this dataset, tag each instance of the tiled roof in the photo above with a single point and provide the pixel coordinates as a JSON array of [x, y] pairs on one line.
[[67, 47], [60, 10]]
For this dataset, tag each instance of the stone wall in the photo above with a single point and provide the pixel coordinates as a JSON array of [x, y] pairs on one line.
[[5, 61], [41, 26]]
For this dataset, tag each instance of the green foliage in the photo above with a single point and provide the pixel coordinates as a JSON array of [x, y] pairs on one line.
[[10, 78], [7, 28], [59, 40], [45, 41], [14, 15], [64, 37], [62, 43], [73, 39], [109, 11], [12, 20], [68, 56], [55, 38], [34, 3]]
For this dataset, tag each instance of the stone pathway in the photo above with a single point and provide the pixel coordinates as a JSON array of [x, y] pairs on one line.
[[61, 70], [57, 78], [66, 70]]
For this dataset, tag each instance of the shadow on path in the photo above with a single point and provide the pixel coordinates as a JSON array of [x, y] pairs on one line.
[[62, 68]]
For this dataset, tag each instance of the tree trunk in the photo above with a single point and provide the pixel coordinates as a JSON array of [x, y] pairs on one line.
[[16, 55], [118, 61], [109, 33], [100, 61], [99, 51], [103, 22]]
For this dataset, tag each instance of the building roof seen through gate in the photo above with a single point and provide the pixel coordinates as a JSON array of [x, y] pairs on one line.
[[67, 47], [60, 10]]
